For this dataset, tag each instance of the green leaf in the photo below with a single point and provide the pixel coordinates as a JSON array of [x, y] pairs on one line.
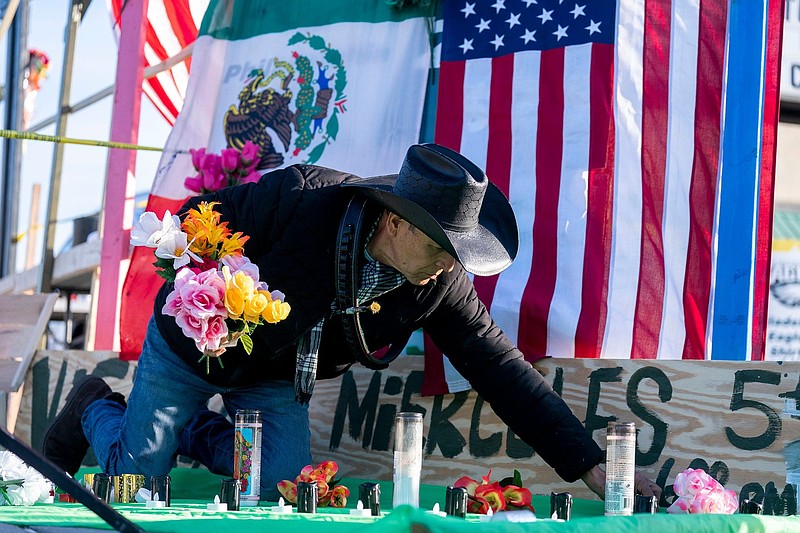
[[506, 481], [247, 343], [517, 478], [341, 81], [296, 38], [333, 125], [333, 56], [316, 153], [316, 42]]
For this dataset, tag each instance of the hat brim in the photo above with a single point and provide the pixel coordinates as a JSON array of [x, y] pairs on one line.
[[486, 250]]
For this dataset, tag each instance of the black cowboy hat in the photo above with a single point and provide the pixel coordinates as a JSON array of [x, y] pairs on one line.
[[451, 200]]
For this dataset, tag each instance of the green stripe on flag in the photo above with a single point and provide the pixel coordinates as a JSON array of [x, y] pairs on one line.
[[241, 19]]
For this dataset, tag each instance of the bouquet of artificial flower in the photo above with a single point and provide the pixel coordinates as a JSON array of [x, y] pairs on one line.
[[230, 167], [497, 496], [19, 483], [329, 493], [218, 299], [698, 492]]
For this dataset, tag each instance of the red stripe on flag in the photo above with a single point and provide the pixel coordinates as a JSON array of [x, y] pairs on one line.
[[539, 289], [655, 107], [140, 288], [180, 18], [767, 179], [169, 111], [702, 192], [498, 156], [600, 205], [450, 104]]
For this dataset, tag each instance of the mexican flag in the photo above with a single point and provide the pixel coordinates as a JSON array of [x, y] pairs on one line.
[[336, 84]]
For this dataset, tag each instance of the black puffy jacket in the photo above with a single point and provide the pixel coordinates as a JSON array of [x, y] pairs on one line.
[[292, 216]]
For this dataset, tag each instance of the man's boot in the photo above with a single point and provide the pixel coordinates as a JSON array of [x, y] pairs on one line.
[[64, 442]]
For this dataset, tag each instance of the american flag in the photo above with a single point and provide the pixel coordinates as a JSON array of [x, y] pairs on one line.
[[172, 25], [636, 142]]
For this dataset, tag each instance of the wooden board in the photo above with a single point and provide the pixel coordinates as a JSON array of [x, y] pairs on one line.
[[727, 417], [23, 319]]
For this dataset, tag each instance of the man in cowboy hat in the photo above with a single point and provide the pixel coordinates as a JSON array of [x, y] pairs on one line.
[[334, 243]]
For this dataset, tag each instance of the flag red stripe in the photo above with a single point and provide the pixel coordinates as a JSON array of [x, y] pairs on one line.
[[180, 18], [702, 193], [767, 180], [600, 205], [450, 104], [498, 157], [655, 107], [449, 122], [169, 106], [539, 289]]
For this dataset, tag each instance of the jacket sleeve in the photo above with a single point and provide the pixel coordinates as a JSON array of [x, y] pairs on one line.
[[463, 329]]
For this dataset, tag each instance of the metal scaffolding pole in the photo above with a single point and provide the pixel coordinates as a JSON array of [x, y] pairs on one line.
[[76, 11], [12, 149]]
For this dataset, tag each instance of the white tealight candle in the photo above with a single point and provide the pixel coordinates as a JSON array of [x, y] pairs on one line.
[[155, 502], [488, 516], [359, 510], [216, 506], [282, 507], [436, 510]]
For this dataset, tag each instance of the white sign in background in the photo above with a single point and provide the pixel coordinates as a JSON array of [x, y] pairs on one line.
[[783, 327]]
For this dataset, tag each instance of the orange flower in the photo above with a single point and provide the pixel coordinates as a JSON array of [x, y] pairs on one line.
[[327, 492], [493, 495], [467, 483], [338, 496], [517, 496]]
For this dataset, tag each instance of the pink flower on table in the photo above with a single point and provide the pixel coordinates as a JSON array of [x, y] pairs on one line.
[[719, 501], [691, 482]]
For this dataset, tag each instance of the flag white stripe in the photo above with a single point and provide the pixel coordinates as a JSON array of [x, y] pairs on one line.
[[680, 144], [168, 85], [522, 190], [572, 203], [475, 128], [626, 239], [157, 16]]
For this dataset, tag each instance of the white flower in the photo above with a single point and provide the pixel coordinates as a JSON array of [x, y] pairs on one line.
[[176, 246], [34, 487], [150, 231]]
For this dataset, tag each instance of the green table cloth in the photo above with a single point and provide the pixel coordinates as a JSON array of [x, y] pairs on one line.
[[192, 489]]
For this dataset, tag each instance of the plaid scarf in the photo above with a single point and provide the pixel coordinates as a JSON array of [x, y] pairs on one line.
[[375, 279]]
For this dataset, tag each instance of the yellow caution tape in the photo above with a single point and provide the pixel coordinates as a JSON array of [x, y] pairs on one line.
[[30, 136]]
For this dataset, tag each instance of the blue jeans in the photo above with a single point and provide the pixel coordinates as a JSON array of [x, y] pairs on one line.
[[167, 414]]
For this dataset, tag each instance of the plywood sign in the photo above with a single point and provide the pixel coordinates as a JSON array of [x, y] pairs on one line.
[[725, 417]]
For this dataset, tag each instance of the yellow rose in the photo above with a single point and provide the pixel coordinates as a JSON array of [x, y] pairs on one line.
[[238, 289], [276, 311], [255, 306]]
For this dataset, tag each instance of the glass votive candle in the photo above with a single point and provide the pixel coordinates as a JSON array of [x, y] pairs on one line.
[[307, 494], [456, 501], [560, 505], [102, 486], [407, 459], [161, 486], [229, 493], [370, 495]]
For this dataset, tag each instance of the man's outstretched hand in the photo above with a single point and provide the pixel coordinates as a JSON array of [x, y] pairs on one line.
[[595, 479]]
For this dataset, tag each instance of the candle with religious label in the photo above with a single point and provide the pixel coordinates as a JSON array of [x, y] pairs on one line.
[[247, 455], [360, 511], [282, 507], [216, 506]]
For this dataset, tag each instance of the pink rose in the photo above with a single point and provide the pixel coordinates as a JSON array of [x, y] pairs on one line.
[[690, 482], [197, 157], [202, 294], [230, 160], [719, 501], [680, 506], [217, 332]]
